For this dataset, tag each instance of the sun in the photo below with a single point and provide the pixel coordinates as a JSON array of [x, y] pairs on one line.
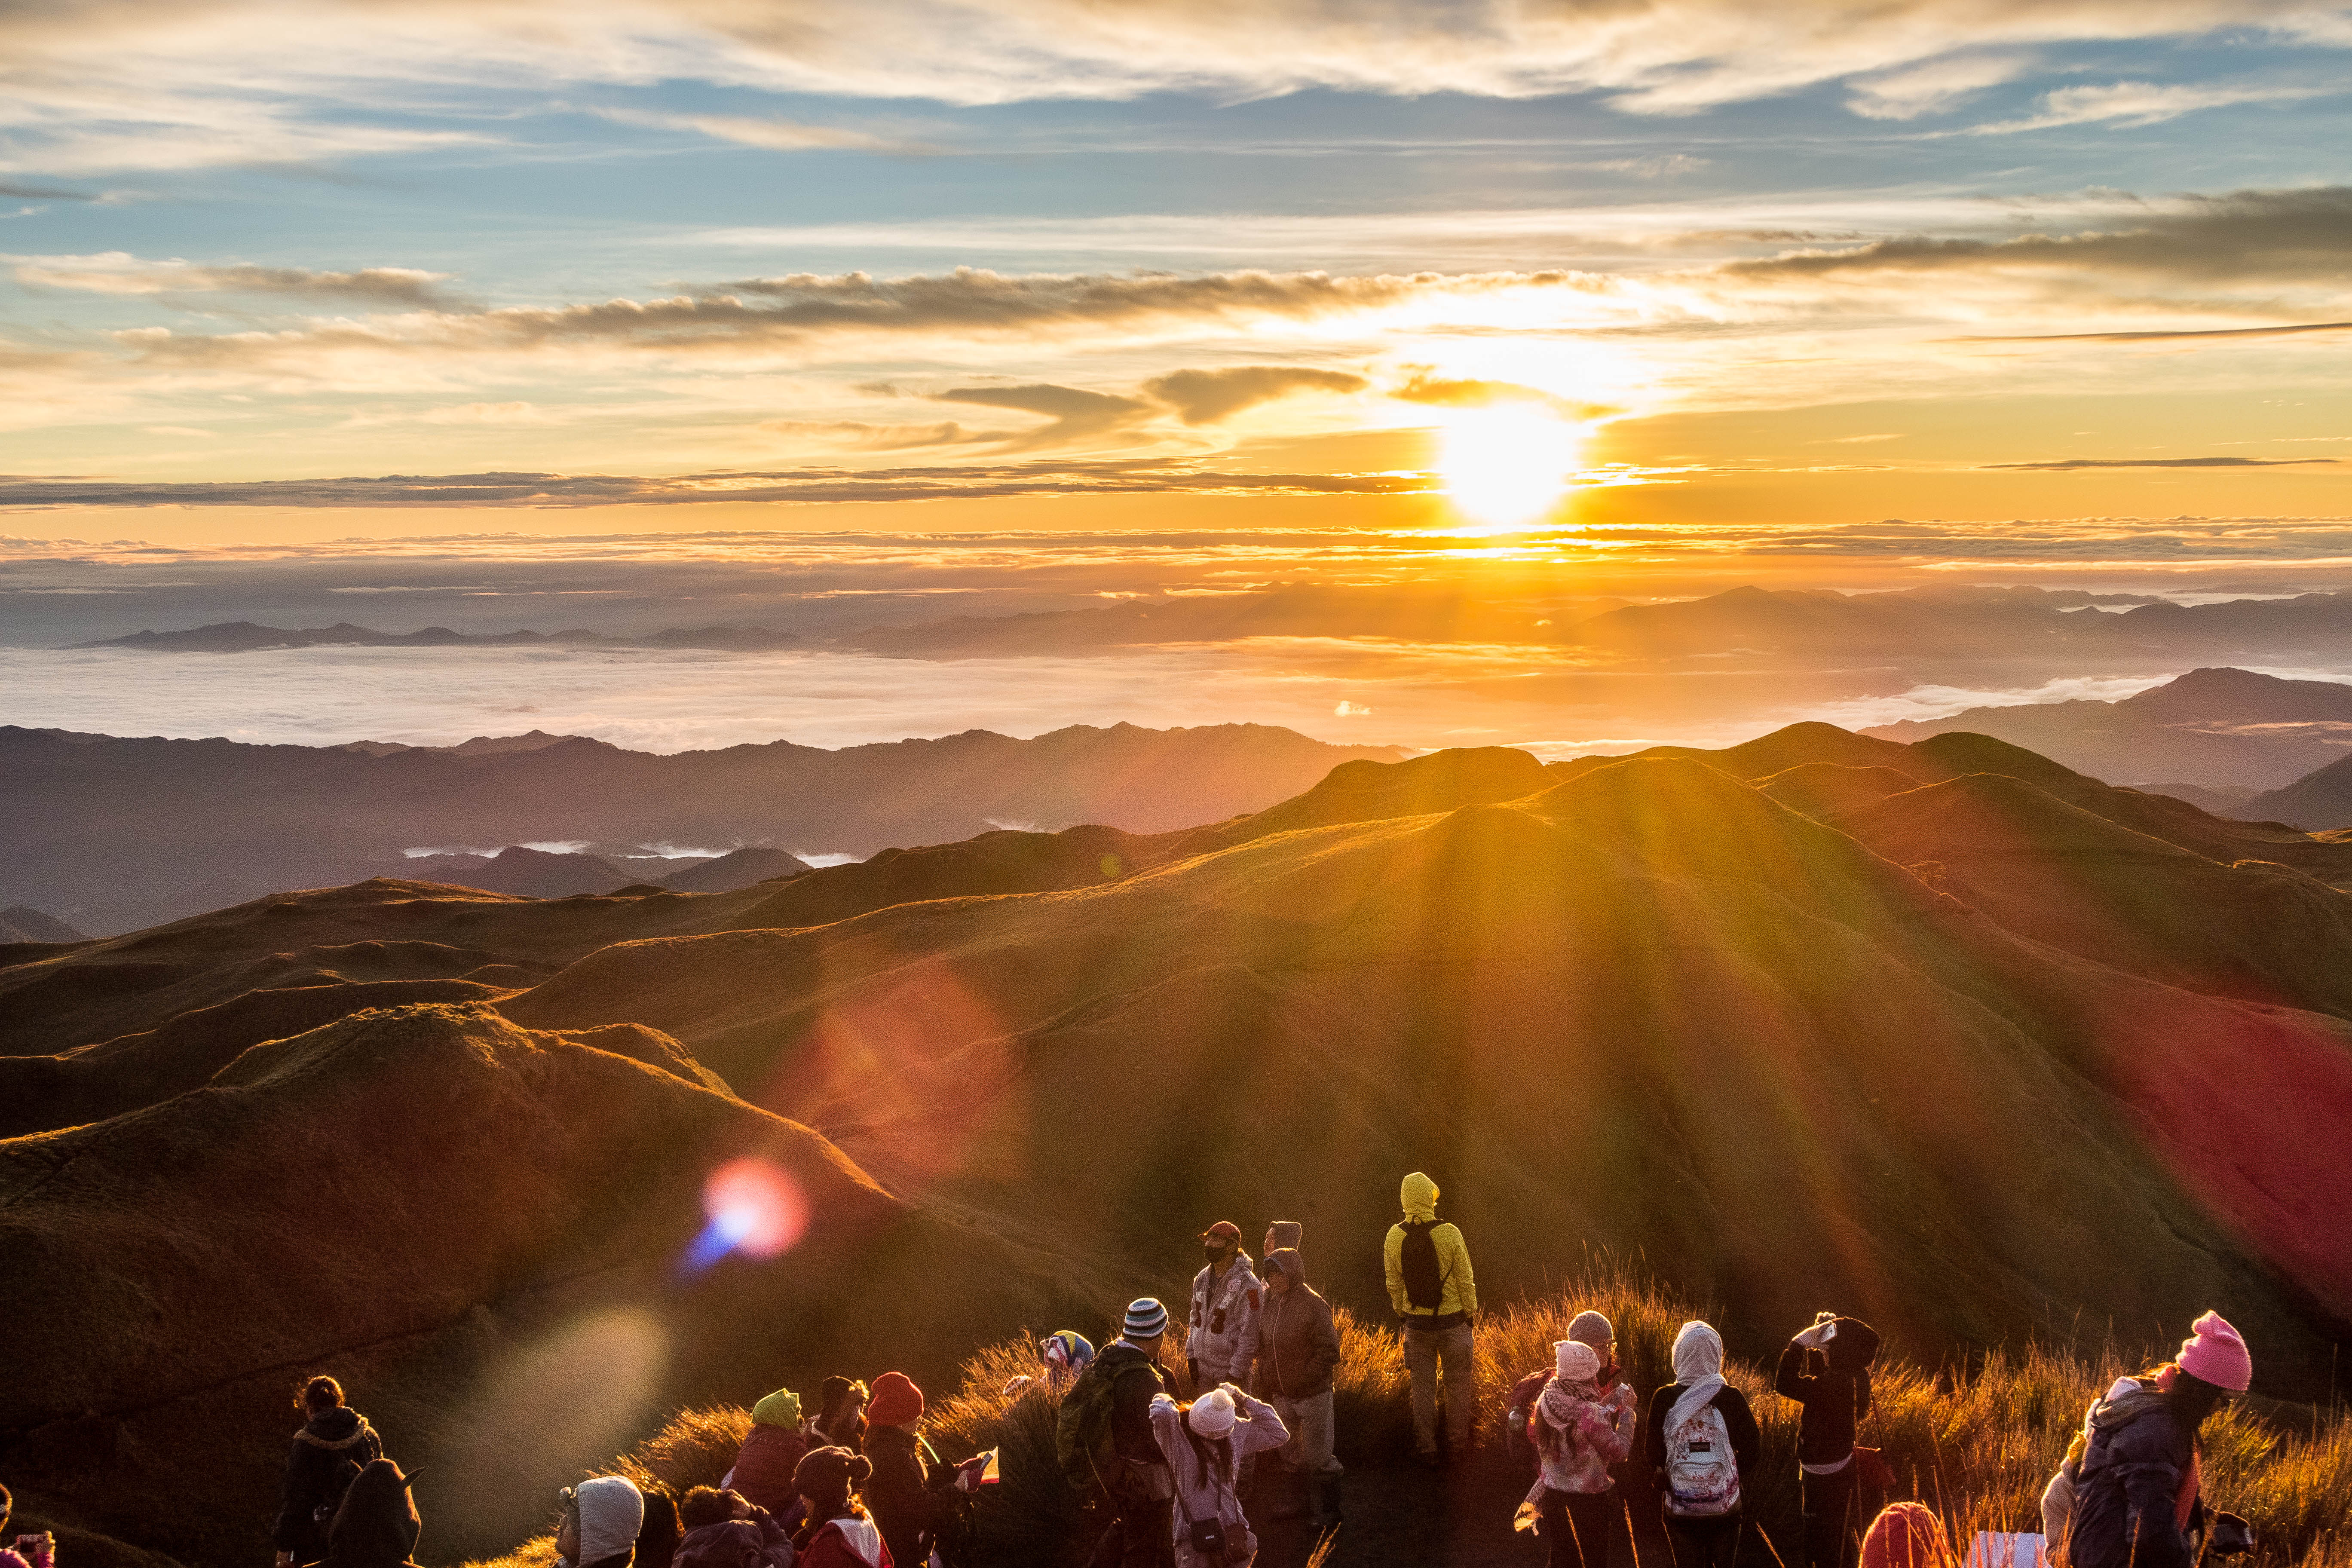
[[1507, 466]]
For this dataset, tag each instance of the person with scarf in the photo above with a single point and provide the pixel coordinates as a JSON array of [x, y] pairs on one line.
[[837, 1534], [1578, 1431], [763, 1466], [334, 1445], [377, 1525], [1702, 1494], [1826, 1368], [1206, 1443], [600, 1520], [2136, 1485]]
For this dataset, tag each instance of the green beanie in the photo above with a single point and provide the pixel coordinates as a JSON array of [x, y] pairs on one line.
[[782, 1409]]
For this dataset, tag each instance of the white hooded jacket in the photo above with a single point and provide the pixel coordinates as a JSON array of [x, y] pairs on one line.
[[1222, 1335]]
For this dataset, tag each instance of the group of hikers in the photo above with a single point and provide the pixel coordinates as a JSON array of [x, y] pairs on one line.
[[853, 1483]]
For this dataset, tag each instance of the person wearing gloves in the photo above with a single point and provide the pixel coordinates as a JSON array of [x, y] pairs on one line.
[[1298, 1350], [1576, 1432], [601, 1519], [1205, 1443], [1701, 1440], [1436, 1298], [764, 1465], [837, 1534], [377, 1525], [1826, 1368], [1226, 1295], [2137, 1502]]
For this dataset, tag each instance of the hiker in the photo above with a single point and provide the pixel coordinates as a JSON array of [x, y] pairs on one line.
[[765, 1464], [840, 1415], [31, 1549], [602, 1517], [1226, 1295], [723, 1528], [658, 1536], [1826, 1368], [1436, 1298], [1298, 1350], [334, 1445], [837, 1534], [2136, 1500], [1906, 1535], [1061, 1356], [377, 1524], [1282, 1232], [907, 1508], [1701, 1440], [1581, 1422], [1104, 1441], [1205, 1443]]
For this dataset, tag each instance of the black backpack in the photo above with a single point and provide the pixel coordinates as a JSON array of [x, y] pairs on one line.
[[1424, 1282]]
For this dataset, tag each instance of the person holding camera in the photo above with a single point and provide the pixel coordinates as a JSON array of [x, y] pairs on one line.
[[1205, 1443], [37, 1550]]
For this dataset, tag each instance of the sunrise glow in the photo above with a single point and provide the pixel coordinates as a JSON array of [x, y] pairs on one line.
[[1507, 466]]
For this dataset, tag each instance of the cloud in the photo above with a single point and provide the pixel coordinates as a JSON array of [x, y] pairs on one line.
[[2294, 330], [2131, 103], [1076, 415], [2070, 464], [1934, 86], [1447, 391], [772, 134], [25, 192], [118, 272], [1208, 396]]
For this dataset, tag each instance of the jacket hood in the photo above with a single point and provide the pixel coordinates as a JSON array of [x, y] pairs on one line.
[[338, 1427], [377, 1525], [1854, 1347], [782, 1409], [730, 1544], [1418, 1195], [1285, 1261]]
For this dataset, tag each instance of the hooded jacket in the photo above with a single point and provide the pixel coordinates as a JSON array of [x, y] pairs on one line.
[[2135, 1499], [1224, 1333], [315, 1471], [1299, 1341], [1418, 1196], [1835, 1398], [377, 1525]]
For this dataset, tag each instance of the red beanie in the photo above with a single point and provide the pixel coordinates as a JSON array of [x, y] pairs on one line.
[[897, 1401], [1905, 1536]]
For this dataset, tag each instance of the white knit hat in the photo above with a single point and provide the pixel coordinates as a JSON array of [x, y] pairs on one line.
[[1212, 1414], [1577, 1361]]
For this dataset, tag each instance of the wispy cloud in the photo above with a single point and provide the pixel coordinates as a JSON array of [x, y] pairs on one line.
[[2125, 104], [117, 272], [2070, 464], [773, 134]]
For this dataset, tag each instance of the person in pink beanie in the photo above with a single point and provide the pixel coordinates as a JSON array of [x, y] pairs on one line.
[[2135, 1502]]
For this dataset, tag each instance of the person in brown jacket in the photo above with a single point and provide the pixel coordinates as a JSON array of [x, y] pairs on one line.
[[1299, 1349]]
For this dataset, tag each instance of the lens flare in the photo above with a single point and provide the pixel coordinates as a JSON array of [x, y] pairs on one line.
[[1504, 466], [755, 1208]]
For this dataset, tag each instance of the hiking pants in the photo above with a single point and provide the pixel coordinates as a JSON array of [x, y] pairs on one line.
[[1831, 1528], [1577, 1525], [1423, 1349], [1142, 1535], [1704, 1543], [1311, 1433]]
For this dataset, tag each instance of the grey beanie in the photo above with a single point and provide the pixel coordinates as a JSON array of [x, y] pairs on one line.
[[1589, 1328], [1146, 1318]]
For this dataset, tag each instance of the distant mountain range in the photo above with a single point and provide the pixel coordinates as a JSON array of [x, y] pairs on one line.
[[245, 637], [2212, 729], [113, 833], [1976, 1046]]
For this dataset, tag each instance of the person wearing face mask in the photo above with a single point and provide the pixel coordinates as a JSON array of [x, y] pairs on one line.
[[1226, 1295]]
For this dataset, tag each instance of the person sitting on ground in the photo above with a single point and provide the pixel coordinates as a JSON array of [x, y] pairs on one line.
[[765, 1464], [837, 1534], [334, 1445], [724, 1530], [1105, 1443], [1061, 1356], [1826, 1368], [600, 1523], [1221, 1341], [32, 1549], [1579, 1427], [1298, 1350], [1205, 1443], [1436, 1298], [1701, 1440], [840, 1415], [2137, 1502], [1906, 1535], [377, 1524], [658, 1536]]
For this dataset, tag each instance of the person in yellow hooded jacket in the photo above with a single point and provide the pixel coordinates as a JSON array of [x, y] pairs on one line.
[[1436, 1298]]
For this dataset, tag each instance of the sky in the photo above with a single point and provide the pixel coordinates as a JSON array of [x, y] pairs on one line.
[[927, 306]]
